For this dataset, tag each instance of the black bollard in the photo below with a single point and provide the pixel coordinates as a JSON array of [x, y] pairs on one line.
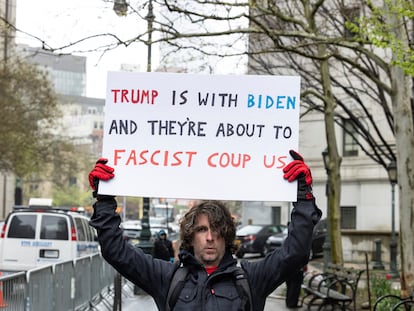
[[378, 265], [117, 306]]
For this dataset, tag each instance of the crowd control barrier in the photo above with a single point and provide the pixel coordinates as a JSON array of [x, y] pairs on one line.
[[80, 284]]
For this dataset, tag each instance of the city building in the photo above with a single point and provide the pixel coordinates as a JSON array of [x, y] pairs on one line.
[[7, 34], [82, 117], [67, 72]]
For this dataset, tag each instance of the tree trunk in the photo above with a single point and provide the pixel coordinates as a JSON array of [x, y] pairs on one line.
[[404, 138], [334, 176]]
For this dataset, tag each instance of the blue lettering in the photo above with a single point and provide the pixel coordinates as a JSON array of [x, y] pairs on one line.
[[41, 244], [250, 101], [279, 102], [269, 102], [291, 102]]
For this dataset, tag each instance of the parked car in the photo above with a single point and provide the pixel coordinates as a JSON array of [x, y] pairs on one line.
[[132, 231], [275, 241], [318, 238], [252, 238], [33, 235]]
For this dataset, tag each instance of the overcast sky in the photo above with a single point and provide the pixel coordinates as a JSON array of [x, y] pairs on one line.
[[60, 22]]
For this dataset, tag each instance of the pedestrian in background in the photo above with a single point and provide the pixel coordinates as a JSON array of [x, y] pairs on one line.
[[162, 248], [207, 246]]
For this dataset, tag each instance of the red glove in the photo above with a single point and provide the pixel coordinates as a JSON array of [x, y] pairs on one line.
[[101, 171], [298, 170]]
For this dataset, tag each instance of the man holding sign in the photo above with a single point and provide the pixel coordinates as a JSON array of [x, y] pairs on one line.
[[207, 236]]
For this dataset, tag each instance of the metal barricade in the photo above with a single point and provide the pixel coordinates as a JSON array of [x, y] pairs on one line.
[[81, 284], [13, 291], [64, 285], [40, 289], [97, 274], [83, 279]]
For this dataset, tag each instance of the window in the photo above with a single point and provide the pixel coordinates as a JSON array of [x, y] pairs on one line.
[[22, 227], [92, 233], [276, 211], [54, 228], [72, 181], [351, 15], [348, 217], [350, 146], [92, 110], [80, 230]]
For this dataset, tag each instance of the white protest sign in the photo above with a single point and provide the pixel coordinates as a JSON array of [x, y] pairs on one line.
[[201, 136]]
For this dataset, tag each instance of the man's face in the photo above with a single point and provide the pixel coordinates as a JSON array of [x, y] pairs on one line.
[[208, 246]]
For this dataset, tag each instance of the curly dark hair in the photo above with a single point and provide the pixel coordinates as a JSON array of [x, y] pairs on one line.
[[220, 220]]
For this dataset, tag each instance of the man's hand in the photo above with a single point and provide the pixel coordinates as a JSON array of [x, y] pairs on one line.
[[298, 170], [101, 171]]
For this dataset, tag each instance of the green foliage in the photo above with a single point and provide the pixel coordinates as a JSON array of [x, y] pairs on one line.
[[28, 107], [380, 286], [30, 145], [71, 196], [375, 29]]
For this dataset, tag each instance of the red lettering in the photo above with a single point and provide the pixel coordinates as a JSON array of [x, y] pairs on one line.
[[117, 156], [115, 92], [281, 161], [134, 96], [154, 96], [142, 156], [277, 162], [124, 98], [190, 157], [228, 160], [210, 160], [155, 157], [132, 157], [177, 158]]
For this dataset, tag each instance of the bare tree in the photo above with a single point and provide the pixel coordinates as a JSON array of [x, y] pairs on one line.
[[341, 71], [351, 71]]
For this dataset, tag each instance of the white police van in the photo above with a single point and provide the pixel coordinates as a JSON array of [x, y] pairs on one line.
[[39, 234]]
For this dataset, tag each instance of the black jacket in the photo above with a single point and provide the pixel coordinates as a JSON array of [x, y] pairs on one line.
[[216, 292], [163, 249]]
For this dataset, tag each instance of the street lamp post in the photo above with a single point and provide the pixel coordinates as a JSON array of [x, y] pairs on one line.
[[392, 175], [150, 19], [166, 210], [327, 244], [121, 9]]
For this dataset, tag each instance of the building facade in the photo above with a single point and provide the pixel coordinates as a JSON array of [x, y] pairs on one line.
[[362, 117]]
